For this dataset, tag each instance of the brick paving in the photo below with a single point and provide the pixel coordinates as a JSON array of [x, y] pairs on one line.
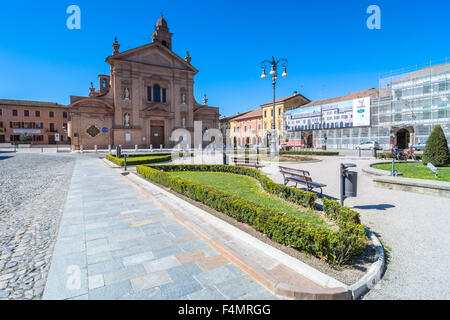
[[115, 243]]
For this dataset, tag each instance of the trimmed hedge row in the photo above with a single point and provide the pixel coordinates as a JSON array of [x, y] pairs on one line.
[[132, 161], [310, 153], [387, 155], [134, 155], [334, 246], [301, 197]]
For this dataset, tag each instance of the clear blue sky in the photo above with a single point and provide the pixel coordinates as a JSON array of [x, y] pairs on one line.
[[330, 50]]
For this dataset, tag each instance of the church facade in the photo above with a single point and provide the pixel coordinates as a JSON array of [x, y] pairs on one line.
[[148, 94]]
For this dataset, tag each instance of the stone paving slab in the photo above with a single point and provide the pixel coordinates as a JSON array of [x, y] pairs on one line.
[[277, 271], [116, 243]]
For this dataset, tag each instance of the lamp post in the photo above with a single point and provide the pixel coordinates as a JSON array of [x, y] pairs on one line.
[[273, 72]]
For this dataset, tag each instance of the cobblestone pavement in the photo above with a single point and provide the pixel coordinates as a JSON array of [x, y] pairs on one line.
[[33, 189], [116, 243], [415, 226]]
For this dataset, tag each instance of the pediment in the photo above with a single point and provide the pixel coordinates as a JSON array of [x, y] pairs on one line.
[[156, 108], [154, 54], [153, 57]]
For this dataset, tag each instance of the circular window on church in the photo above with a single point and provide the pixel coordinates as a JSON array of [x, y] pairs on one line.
[[93, 131]]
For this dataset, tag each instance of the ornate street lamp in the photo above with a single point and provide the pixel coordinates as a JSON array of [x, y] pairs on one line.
[[273, 72]]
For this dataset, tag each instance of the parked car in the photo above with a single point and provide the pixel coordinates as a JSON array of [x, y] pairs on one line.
[[368, 145], [419, 146]]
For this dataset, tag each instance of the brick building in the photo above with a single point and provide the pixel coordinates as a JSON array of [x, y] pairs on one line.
[[33, 122], [147, 95]]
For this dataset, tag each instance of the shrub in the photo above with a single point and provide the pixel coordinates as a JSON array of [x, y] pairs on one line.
[[338, 212], [436, 149], [387, 155], [310, 153], [132, 161], [335, 246]]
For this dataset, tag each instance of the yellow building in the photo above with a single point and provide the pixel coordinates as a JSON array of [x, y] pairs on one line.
[[281, 105]]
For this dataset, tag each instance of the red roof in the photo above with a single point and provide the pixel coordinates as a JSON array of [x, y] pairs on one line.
[[287, 98], [350, 96], [250, 114]]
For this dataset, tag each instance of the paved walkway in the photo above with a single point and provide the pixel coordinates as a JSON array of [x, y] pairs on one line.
[[416, 227], [114, 243]]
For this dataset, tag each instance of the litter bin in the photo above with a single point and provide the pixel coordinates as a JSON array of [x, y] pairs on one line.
[[351, 184], [349, 181], [118, 152]]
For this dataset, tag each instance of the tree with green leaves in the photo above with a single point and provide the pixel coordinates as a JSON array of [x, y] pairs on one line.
[[24, 137], [436, 150]]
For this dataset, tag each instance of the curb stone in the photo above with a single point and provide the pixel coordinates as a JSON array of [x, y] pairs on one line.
[[376, 270]]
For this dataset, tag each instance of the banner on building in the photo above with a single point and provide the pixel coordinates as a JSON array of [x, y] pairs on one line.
[[361, 112], [335, 115]]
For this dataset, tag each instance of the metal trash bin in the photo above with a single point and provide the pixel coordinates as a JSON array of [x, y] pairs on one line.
[[351, 184]]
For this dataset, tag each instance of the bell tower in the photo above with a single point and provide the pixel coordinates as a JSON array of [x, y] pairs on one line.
[[162, 34]]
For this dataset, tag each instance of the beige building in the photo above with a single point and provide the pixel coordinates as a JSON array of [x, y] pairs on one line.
[[281, 105], [148, 94]]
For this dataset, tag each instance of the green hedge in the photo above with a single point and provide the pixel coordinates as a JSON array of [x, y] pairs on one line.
[[310, 153], [335, 246], [388, 155], [304, 198], [132, 161]]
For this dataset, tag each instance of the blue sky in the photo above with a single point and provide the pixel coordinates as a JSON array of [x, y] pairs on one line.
[[330, 50]]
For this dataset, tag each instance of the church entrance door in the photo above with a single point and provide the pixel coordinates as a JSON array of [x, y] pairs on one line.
[[157, 133]]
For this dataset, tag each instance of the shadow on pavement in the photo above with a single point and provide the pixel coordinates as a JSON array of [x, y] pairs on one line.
[[375, 206], [4, 158]]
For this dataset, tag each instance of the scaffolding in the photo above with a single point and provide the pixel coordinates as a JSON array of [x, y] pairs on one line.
[[410, 102]]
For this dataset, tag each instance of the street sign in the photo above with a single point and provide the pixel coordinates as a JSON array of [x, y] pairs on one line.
[[57, 137]]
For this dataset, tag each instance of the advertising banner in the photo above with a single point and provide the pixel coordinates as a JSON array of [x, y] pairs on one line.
[[335, 115], [361, 112]]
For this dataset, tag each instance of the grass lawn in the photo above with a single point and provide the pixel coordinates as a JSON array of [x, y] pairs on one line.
[[250, 189], [417, 170]]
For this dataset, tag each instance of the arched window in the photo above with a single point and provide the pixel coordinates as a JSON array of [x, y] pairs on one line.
[[156, 93]]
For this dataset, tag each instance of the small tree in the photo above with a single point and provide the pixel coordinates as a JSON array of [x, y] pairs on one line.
[[436, 150], [24, 137]]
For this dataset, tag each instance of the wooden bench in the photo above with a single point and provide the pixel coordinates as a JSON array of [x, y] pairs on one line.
[[298, 176], [246, 162]]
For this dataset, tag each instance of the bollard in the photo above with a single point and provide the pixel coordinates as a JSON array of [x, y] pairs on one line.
[[160, 147], [125, 162], [359, 152], [257, 154], [118, 152], [73, 148], [393, 172], [109, 148], [224, 154], [42, 150], [151, 147], [135, 147], [81, 148], [95, 148]]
